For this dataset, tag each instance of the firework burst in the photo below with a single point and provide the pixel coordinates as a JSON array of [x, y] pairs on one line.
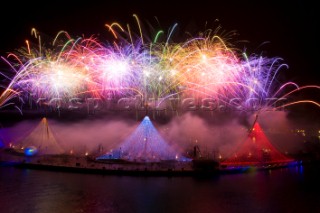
[[206, 66]]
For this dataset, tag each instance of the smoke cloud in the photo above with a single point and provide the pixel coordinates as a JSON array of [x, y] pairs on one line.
[[214, 133]]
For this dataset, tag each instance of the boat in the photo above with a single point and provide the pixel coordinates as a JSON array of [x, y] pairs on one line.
[[89, 164]]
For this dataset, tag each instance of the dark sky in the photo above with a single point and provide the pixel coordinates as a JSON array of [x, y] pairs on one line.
[[289, 27]]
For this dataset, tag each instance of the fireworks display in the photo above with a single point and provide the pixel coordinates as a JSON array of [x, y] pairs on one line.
[[132, 65]]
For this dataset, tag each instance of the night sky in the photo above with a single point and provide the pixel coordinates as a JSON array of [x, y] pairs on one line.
[[286, 29], [290, 28]]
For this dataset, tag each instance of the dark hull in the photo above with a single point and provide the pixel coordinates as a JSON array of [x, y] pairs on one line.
[[67, 163], [118, 171]]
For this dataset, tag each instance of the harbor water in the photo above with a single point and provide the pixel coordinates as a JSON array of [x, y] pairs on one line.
[[293, 189]]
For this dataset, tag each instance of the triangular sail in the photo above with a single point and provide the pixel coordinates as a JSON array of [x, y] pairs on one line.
[[256, 150], [144, 144], [42, 139]]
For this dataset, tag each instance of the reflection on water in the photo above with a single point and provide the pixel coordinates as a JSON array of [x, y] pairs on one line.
[[294, 189]]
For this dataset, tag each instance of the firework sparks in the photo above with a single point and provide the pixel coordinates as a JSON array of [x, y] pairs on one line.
[[202, 67]]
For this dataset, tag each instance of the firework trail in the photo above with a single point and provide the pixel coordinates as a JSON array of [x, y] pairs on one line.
[[206, 66]]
